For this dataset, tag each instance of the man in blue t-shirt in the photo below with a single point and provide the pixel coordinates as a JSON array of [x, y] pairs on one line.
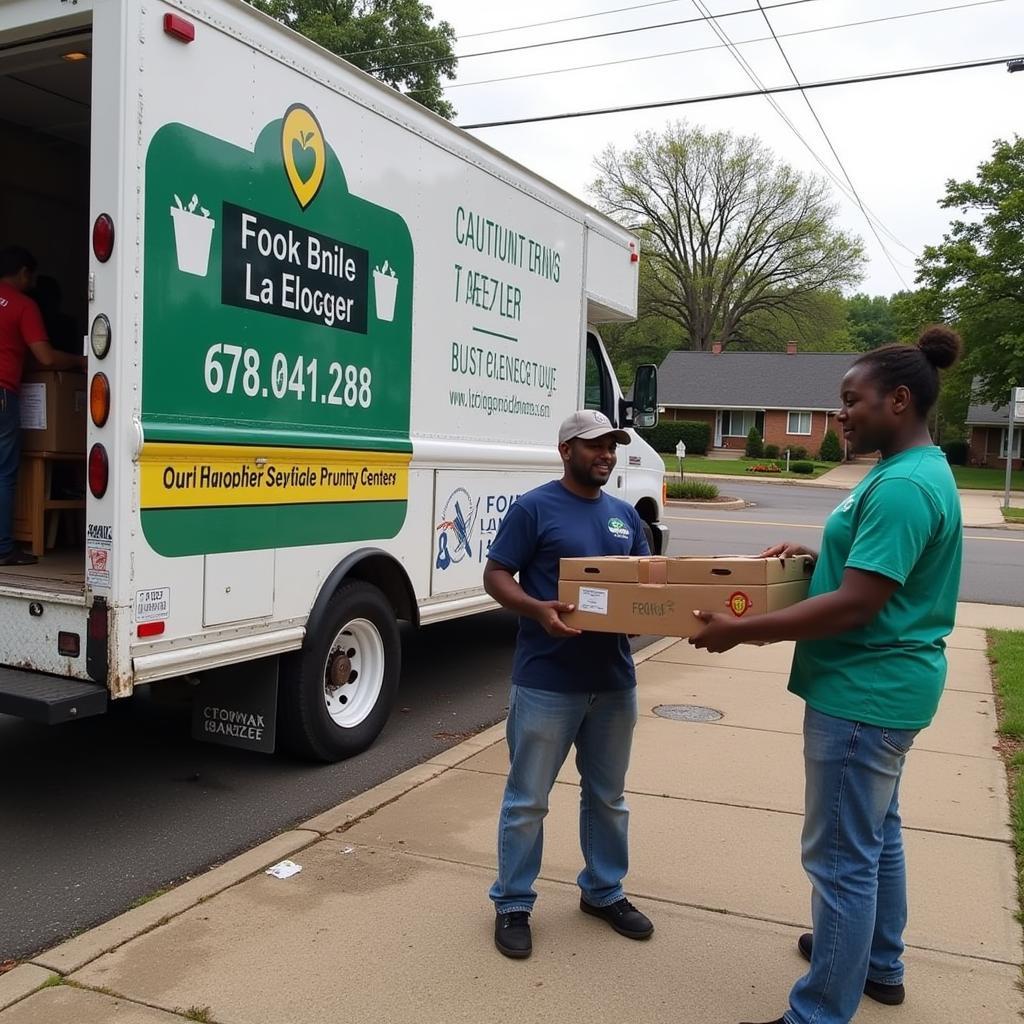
[[567, 687]]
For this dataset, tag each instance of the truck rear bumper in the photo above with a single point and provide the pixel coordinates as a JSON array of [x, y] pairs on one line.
[[48, 699]]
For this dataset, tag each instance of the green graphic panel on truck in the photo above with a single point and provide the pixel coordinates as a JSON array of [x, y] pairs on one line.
[[277, 346]]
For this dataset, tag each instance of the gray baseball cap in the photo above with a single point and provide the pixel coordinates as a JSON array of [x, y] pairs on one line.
[[588, 424]]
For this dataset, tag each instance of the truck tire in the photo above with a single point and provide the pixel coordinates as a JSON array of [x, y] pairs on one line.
[[649, 534], [336, 693]]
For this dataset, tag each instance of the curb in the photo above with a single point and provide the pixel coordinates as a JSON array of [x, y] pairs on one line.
[[73, 954], [732, 503], [755, 478], [20, 982]]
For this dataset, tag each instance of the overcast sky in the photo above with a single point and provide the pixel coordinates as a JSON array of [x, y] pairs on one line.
[[899, 140]]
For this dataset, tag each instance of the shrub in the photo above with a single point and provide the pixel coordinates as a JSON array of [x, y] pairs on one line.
[[956, 452], [831, 450], [802, 467], [764, 467], [668, 433], [798, 452], [771, 451], [755, 446], [693, 490]]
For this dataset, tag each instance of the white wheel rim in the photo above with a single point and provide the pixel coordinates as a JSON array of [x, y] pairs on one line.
[[354, 673]]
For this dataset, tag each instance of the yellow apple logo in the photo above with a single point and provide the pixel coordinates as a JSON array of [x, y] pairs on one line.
[[739, 603], [302, 150]]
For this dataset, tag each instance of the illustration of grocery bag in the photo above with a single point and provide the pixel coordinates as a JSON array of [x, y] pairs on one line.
[[193, 233], [385, 289]]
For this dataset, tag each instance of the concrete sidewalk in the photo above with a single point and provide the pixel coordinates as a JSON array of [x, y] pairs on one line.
[[389, 921]]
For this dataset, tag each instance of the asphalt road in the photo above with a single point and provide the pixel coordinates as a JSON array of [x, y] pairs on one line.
[[97, 814], [993, 559]]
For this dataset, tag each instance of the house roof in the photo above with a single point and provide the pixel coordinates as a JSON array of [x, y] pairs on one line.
[[753, 380], [978, 415]]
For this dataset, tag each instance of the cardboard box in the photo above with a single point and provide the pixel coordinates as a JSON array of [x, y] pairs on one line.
[[53, 410], [615, 569], [739, 570], [608, 605]]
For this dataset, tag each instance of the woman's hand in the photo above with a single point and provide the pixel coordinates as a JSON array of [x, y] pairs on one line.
[[719, 633], [787, 550]]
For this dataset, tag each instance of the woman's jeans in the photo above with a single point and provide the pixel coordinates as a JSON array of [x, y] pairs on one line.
[[852, 851], [542, 726]]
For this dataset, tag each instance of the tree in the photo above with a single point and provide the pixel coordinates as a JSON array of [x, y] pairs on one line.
[[393, 40], [831, 450], [870, 321], [977, 272], [755, 445], [818, 324], [729, 232]]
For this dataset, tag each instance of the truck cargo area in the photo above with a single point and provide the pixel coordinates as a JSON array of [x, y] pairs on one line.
[[45, 121]]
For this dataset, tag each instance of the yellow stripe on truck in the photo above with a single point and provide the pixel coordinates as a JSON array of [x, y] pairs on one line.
[[204, 476]]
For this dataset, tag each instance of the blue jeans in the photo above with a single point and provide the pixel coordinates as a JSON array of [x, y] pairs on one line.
[[852, 851], [10, 453], [541, 728]]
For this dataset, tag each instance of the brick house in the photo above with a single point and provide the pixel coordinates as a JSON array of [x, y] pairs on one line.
[[989, 427], [791, 397]]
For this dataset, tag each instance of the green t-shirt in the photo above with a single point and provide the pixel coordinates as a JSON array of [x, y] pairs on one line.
[[901, 521]]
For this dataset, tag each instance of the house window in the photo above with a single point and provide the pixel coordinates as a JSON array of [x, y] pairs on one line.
[[798, 423], [1017, 431], [737, 422]]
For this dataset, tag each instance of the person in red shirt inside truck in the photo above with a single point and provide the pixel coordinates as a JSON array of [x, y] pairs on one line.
[[21, 331]]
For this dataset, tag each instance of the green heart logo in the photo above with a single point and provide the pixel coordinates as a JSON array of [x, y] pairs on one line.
[[304, 160]]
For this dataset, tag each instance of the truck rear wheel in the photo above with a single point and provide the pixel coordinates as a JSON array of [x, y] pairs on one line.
[[649, 535], [337, 692]]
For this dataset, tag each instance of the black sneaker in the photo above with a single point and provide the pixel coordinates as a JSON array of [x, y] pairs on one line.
[[890, 995], [17, 557], [512, 934], [623, 917]]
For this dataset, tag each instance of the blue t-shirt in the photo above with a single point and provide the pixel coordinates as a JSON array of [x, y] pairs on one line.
[[545, 525]]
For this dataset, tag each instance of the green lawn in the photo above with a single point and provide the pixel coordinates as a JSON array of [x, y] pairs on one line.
[[1013, 515], [738, 467], [971, 478], [1006, 652]]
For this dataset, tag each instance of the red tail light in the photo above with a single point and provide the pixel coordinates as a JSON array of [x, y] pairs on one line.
[[99, 471], [103, 237]]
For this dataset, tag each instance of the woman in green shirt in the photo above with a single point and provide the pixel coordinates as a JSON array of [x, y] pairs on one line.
[[870, 664]]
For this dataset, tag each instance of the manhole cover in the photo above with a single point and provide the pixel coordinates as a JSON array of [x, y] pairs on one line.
[[687, 713]]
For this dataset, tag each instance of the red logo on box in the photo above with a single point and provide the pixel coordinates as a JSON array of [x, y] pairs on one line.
[[739, 603]]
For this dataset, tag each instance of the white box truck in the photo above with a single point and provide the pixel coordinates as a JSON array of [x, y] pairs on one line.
[[330, 339]]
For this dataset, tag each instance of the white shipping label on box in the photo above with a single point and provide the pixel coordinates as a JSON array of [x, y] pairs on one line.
[[593, 600], [32, 405]]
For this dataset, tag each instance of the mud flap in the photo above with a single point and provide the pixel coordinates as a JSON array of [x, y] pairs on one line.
[[237, 706]]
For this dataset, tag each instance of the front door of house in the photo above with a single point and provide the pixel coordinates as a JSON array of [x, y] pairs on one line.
[[718, 428]]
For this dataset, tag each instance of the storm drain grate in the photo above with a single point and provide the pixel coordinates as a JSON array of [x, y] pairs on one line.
[[687, 713]]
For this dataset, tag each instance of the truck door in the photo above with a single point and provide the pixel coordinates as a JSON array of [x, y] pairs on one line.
[[599, 392]]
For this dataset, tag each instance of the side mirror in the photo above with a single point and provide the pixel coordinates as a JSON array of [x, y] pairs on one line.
[[645, 397]]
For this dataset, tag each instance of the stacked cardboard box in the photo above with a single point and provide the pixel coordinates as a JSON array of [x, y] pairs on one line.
[[658, 595], [53, 406]]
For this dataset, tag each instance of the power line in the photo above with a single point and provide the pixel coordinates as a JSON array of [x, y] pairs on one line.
[[838, 159], [884, 76], [573, 39], [520, 28], [575, 17], [773, 103], [717, 46]]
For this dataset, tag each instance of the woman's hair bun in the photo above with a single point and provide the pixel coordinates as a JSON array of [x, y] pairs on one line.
[[941, 345]]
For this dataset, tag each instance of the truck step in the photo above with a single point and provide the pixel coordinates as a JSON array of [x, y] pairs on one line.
[[48, 699]]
